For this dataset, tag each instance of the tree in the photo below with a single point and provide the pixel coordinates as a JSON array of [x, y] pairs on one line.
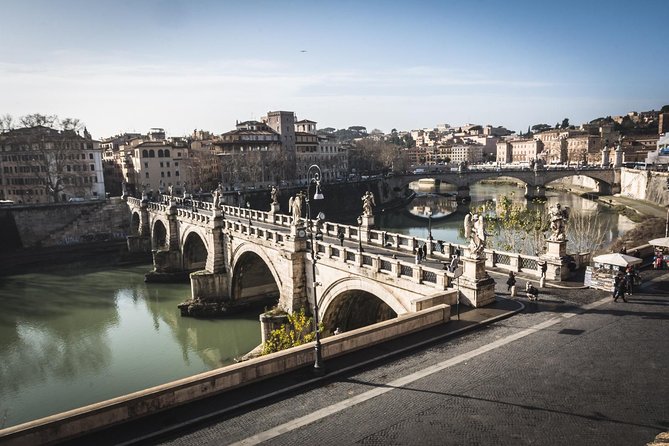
[[515, 226], [664, 109], [57, 166], [6, 123], [537, 128], [299, 330], [585, 233], [73, 124], [36, 119], [565, 123]]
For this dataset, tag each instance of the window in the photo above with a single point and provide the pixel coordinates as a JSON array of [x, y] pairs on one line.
[[145, 153], [167, 153], [152, 154], [92, 166], [146, 165], [90, 156], [162, 174], [146, 174], [161, 164], [169, 174], [176, 174], [168, 164]]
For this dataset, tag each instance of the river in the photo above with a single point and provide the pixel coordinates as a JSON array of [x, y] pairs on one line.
[[72, 335]]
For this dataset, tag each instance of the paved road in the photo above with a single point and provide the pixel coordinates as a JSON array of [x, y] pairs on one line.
[[558, 373]]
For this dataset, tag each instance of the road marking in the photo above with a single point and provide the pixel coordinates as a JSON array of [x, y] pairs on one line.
[[345, 404]]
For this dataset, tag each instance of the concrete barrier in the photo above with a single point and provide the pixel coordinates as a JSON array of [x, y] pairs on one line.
[[70, 424]]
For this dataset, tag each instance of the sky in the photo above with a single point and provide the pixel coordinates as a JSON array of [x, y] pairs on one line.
[[130, 65]]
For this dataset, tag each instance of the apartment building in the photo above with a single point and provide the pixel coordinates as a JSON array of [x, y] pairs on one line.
[[151, 162], [43, 165], [519, 150]]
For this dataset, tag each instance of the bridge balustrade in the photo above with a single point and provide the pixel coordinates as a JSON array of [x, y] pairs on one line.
[[433, 277]]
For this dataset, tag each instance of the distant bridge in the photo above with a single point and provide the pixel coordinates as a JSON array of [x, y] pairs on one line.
[[607, 179]]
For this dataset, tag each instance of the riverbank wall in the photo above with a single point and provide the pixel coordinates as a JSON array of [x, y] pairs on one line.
[[69, 425], [648, 185], [63, 224]]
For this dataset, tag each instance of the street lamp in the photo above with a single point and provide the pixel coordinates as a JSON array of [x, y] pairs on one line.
[[359, 233], [429, 224], [318, 195]]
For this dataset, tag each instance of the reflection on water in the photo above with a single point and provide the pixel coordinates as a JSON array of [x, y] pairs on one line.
[[448, 215], [71, 337]]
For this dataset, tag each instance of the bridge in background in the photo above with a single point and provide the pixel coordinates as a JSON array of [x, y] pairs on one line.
[[607, 179]]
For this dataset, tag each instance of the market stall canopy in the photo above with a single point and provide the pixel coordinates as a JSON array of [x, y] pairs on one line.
[[617, 259], [664, 241]]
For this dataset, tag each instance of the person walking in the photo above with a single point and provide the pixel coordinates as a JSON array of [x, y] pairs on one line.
[[619, 288], [511, 281], [629, 280]]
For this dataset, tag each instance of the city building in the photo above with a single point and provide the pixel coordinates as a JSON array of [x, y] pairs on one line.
[[147, 163], [43, 165], [519, 150]]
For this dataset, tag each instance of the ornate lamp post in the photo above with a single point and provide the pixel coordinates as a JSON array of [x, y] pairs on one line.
[[359, 233], [429, 224], [318, 195]]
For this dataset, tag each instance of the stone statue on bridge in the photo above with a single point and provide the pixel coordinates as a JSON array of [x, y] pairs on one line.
[[217, 196], [274, 195], [475, 232], [558, 218], [368, 203], [295, 207]]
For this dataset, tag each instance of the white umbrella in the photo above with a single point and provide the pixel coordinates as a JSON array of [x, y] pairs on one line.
[[617, 259], [664, 241]]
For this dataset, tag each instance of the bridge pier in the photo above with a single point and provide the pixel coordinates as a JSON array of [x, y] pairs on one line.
[[463, 195], [141, 242], [537, 192]]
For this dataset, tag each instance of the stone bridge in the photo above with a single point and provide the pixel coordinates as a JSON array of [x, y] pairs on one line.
[[236, 257], [607, 179]]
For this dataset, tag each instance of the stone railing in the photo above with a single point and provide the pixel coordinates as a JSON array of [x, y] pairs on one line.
[[385, 265], [242, 227]]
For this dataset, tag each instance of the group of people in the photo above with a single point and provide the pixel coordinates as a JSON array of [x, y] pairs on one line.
[[624, 282], [530, 290], [420, 252]]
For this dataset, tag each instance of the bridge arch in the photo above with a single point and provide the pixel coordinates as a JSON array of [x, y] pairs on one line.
[[254, 280], [249, 252], [355, 302], [135, 221], [194, 252], [159, 235]]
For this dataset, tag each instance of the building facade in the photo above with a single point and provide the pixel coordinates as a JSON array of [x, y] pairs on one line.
[[44, 165]]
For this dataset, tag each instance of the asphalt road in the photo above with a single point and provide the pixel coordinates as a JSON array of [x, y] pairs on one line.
[[574, 368]]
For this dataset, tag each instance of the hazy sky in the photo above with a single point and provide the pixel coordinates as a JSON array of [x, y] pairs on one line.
[[128, 65]]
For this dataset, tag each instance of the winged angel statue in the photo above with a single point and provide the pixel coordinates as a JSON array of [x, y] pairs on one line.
[[295, 207], [475, 232], [558, 217]]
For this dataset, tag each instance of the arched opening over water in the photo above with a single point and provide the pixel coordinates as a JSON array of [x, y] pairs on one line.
[[194, 253], [253, 282], [159, 235], [354, 309], [134, 224]]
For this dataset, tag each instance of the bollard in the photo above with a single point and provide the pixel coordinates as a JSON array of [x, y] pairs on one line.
[[513, 291]]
